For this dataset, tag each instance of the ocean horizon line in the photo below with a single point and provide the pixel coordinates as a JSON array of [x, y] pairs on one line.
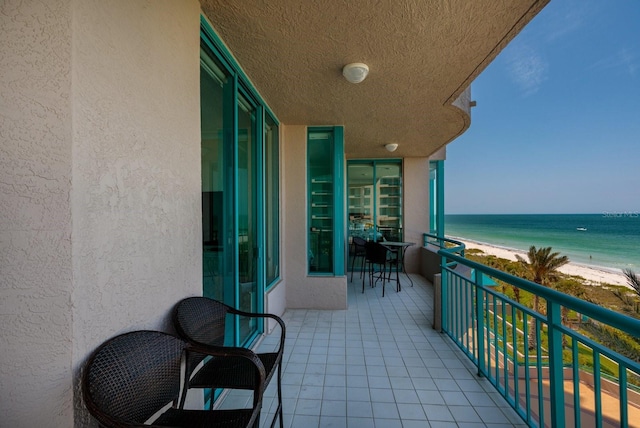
[[606, 240], [524, 251]]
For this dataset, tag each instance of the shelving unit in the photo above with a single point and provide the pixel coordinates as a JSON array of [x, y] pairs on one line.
[[389, 207], [361, 201], [321, 217]]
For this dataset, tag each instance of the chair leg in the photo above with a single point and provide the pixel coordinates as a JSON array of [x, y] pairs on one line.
[[384, 277], [353, 260], [279, 409], [363, 263]]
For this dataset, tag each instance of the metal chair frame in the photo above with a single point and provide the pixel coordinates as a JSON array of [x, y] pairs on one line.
[[201, 321], [137, 379]]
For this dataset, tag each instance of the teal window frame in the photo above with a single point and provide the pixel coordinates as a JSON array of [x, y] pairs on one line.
[[436, 198], [243, 86], [271, 193], [338, 213]]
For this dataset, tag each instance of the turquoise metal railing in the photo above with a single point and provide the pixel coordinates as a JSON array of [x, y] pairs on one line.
[[562, 378]]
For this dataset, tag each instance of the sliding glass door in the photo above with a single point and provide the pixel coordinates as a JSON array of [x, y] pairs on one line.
[[375, 199], [240, 188], [218, 219], [247, 214]]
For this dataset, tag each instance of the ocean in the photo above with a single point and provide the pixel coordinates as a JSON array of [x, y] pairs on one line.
[[607, 240]]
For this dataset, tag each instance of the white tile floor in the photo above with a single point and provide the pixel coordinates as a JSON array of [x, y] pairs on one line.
[[379, 364]]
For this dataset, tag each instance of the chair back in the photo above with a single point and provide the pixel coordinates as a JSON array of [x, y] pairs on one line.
[[358, 245], [130, 377], [201, 320], [376, 253]]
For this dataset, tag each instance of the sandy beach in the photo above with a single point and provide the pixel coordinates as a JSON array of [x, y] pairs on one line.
[[590, 273]]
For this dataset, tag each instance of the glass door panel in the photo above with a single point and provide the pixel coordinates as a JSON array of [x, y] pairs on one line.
[[320, 170], [389, 193], [218, 259], [360, 200], [247, 215], [375, 200]]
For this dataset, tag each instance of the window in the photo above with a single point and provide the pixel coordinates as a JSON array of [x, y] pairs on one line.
[[436, 198], [325, 163], [272, 201], [375, 199], [240, 200]]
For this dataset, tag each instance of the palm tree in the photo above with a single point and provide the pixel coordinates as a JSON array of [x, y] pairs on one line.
[[633, 280], [542, 268]]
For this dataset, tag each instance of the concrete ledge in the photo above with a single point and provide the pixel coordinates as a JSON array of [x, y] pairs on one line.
[[429, 262]]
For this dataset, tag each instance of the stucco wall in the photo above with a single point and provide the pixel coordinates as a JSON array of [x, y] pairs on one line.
[[416, 208], [35, 214], [136, 167], [99, 187], [302, 290]]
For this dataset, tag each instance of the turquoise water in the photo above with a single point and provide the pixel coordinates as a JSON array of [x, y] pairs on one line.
[[611, 240]]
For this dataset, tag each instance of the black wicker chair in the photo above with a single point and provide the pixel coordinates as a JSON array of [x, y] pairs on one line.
[[357, 252], [134, 379], [377, 255], [201, 321]]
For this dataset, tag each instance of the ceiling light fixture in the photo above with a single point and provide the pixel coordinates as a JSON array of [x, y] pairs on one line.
[[355, 72], [391, 147]]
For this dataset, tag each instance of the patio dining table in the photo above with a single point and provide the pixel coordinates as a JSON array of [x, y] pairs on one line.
[[399, 248]]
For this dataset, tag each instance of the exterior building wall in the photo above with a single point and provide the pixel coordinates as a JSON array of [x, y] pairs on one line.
[[137, 239], [35, 214], [100, 200], [302, 290], [416, 208]]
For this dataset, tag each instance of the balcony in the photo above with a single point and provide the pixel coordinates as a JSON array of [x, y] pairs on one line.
[[380, 363]]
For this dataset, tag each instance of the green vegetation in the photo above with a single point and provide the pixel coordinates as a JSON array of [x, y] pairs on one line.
[[617, 298], [541, 268]]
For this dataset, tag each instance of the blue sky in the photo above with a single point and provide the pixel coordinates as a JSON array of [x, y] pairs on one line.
[[557, 123]]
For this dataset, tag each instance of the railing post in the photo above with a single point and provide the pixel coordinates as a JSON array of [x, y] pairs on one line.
[[444, 281], [437, 302], [479, 309], [556, 366]]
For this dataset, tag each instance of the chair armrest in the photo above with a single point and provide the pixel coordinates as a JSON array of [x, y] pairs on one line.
[[229, 351], [226, 352], [259, 315]]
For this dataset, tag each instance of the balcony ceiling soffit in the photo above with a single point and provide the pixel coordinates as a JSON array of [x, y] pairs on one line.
[[422, 56]]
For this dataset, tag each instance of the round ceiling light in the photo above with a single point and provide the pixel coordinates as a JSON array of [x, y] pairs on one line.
[[391, 147], [355, 72]]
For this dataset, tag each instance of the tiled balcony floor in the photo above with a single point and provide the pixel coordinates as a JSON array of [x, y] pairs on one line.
[[379, 364]]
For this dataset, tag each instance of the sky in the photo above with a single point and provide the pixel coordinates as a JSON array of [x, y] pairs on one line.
[[556, 128]]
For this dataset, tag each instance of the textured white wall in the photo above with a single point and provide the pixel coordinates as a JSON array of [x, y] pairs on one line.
[[99, 187], [415, 174], [302, 290], [136, 167], [35, 214]]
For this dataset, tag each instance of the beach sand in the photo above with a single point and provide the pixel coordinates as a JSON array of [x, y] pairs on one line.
[[592, 274]]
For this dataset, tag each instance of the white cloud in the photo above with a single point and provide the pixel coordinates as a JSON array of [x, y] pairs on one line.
[[568, 17], [624, 60], [527, 68]]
